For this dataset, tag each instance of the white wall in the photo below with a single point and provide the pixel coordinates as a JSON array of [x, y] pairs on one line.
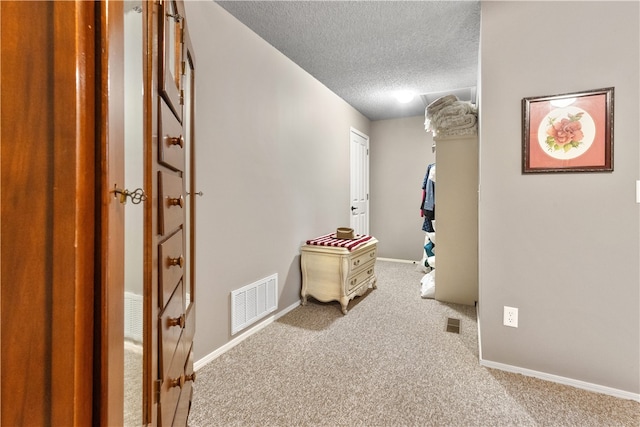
[[563, 248], [272, 158], [400, 153]]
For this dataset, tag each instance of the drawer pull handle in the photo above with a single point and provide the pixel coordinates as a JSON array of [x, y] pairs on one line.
[[177, 382], [369, 271], [175, 140], [176, 261], [190, 377], [356, 263], [372, 254], [176, 321], [176, 201]]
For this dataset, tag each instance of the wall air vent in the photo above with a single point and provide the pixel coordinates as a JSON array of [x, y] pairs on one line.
[[253, 302]]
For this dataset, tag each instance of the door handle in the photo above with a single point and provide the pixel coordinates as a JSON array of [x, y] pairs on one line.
[[353, 208]]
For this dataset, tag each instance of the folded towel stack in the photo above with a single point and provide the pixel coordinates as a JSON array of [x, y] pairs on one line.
[[448, 116]]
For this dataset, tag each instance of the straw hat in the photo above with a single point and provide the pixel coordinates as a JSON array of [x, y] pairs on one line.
[[345, 233]]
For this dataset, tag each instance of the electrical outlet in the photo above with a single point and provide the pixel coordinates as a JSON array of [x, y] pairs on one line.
[[510, 316]]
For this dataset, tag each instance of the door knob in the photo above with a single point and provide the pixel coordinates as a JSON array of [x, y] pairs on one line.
[[353, 208]]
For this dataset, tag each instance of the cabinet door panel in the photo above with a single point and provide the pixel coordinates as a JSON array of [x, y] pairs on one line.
[[170, 55]]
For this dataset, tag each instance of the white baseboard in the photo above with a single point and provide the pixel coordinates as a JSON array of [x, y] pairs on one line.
[[562, 380], [479, 333], [406, 261], [234, 342]]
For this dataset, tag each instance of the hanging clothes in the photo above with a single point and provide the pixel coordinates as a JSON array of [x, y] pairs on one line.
[[428, 205]]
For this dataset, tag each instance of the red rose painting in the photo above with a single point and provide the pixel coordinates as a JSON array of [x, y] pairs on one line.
[[568, 133]]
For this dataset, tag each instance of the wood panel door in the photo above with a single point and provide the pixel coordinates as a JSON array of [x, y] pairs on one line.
[[109, 320], [359, 181], [47, 187]]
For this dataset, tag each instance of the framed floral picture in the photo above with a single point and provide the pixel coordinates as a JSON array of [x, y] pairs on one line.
[[572, 132]]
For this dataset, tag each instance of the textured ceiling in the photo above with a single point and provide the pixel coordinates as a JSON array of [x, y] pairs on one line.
[[365, 51]]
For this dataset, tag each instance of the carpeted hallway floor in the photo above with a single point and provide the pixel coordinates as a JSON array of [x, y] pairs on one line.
[[388, 362]]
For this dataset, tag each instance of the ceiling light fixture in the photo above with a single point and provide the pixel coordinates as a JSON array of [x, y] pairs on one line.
[[404, 97]]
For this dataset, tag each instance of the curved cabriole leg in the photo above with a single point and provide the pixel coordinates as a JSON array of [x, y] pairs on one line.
[[344, 301]]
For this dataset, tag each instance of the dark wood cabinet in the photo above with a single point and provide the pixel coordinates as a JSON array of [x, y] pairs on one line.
[[173, 144], [62, 217]]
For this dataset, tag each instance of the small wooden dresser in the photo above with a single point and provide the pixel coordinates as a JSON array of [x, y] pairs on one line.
[[336, 273]]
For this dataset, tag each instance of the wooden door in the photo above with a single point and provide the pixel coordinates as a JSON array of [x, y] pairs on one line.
[[109, 339], [47, 187]]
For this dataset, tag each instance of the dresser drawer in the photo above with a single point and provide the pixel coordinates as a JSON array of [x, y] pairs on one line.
[[182, 411], [171, 265], [358, 261], [172, 321], [353, 282], [189, 330], [172, 384], [171, 142], [171, 200]]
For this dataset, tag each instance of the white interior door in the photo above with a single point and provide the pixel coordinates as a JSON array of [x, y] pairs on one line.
[[359, 207]]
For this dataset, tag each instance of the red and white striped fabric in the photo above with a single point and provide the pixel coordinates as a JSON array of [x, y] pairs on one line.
[[331, 240]]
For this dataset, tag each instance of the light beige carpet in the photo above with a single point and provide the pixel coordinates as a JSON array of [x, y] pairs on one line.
[[133, 384], [388, 362]]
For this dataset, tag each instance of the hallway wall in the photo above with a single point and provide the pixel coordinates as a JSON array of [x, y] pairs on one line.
[[272, 158], [400, 153], [563, 248]]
